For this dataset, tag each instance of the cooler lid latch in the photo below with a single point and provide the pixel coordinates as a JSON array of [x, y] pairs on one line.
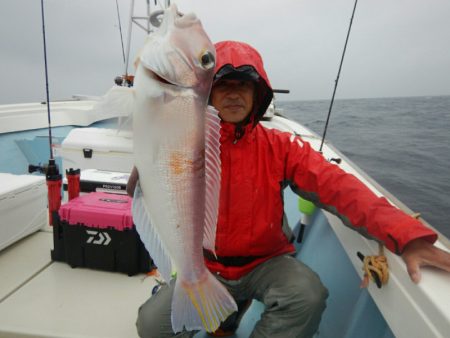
[[87, 152]]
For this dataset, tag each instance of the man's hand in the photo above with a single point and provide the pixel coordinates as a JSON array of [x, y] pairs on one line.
[[131, 184], [420, 252]]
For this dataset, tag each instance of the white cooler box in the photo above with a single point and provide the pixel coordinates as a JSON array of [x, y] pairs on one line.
[[23, 206], [104, 149], [101, 181]]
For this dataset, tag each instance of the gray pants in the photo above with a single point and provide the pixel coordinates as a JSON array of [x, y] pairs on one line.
[[292, 293]]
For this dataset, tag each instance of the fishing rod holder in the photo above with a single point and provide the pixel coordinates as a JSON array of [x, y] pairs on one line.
[[337, 160], [54, 183], [50, 169]]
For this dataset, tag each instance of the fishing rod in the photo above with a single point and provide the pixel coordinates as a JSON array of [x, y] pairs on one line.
[[337, 78], [307, 207], [51, 170], [46, 82]]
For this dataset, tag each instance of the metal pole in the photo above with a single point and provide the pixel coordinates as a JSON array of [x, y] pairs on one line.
[[148, 15], [120, 30], [130, 25]]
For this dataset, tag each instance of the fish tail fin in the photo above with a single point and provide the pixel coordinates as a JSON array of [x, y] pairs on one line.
[[203, 305]]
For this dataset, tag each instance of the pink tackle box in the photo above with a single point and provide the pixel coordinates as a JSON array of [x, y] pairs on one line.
[[96, 230], [99, 210]]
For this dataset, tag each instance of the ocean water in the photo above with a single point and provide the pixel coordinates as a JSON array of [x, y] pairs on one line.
[[402, 143]]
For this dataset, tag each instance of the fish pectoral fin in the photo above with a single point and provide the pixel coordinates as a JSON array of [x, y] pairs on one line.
[[117, 102], [203, 305], [149, 235], [124, 123], [213, 174]]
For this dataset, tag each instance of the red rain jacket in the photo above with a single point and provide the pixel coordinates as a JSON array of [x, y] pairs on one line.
[[255, 169]]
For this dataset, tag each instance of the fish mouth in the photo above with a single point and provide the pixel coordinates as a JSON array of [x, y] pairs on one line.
[[163, 80], [159, 78]]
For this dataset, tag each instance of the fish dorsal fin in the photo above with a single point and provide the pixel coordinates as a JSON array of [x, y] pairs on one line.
[[149, 235], [212, 176]]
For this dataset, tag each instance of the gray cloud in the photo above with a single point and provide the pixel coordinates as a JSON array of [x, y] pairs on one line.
[[397, 48]]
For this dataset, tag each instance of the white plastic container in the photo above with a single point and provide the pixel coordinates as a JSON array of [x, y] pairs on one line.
[[23, 206], [103, 149]]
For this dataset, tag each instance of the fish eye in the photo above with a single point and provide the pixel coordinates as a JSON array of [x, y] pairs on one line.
[[207, 60]]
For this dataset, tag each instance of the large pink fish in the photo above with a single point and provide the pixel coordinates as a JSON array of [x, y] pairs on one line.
[[176, 146]]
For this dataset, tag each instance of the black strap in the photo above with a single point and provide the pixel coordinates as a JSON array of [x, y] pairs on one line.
[[229, 260]]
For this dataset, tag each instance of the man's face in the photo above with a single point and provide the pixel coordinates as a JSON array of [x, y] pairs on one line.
[[233, 99]]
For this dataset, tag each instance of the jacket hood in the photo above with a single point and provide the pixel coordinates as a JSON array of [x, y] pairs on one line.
[[238, 59]]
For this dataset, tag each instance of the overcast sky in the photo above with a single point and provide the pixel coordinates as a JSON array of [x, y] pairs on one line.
[[396, 48]]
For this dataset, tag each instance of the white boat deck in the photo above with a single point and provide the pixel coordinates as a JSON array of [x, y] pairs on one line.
[[21, 261], [41, 298]]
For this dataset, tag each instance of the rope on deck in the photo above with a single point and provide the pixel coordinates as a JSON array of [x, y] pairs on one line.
[[376, 269]]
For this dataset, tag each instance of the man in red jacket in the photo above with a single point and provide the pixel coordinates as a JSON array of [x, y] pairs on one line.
[[253, 242]]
